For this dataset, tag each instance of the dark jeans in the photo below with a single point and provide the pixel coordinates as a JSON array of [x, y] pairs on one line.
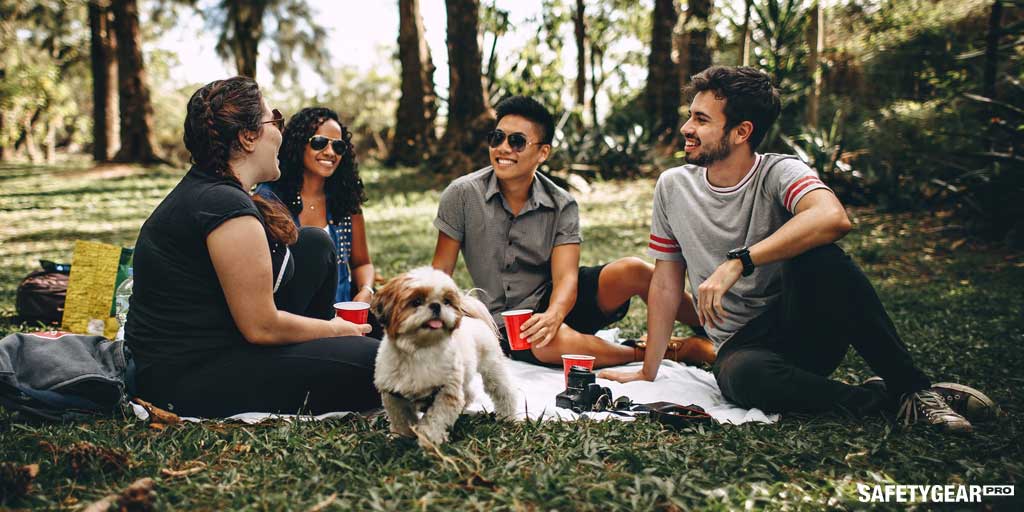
[[324, 375], [780, 362]]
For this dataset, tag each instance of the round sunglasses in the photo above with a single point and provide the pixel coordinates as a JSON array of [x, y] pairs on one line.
[[318, 142], [517, 141]]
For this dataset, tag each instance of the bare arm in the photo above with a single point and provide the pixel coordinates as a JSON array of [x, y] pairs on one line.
[[663, 300], [820, 219], [446, 253], [541, 328], [362, 267], [248, 289]]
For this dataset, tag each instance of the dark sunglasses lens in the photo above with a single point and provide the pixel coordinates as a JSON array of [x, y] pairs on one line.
[[495, 138], [339, 147], [278, 119], [517, 141], [318, 143]]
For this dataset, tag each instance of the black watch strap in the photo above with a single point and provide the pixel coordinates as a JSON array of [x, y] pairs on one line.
[[742, 254]]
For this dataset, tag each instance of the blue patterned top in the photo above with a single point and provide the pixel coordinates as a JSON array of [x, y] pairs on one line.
[[340, 231]]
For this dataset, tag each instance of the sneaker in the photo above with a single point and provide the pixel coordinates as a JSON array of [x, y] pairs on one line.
[[964, 400], [930, 407], [970, 402]]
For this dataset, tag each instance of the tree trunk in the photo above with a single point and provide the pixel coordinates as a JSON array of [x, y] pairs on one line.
[[104, 78], [699, 35], [662, 92], [247, 20], [417, 109], [469, 115], [988, 86], [815, 43], [745, 35], [136, 110], [581, 58], [51, 141]]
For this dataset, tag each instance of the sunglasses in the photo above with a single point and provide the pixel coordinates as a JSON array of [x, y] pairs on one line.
[[517, 141], [278, 120], [318, 142]]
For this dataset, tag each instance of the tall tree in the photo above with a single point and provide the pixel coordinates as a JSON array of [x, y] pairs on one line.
[[815, 43], [698, 35], [988, 87], [745, 34], [104, 79], [662, 91], [580, 31], [469, 114], [417, 108], [136, 109], [243, 26]]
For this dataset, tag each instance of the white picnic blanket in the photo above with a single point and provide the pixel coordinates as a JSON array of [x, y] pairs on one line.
[[537, 387]]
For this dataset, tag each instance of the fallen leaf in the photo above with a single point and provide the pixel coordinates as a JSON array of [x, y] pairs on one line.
[[139, 496], [326, 502], [16, 480], [177, 473], [156, 414]]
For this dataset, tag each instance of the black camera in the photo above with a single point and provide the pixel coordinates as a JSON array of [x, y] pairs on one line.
[[582, 394]]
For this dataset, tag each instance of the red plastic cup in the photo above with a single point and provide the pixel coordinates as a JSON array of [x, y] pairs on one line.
[[570, 360], [353, 311], [513, 323]]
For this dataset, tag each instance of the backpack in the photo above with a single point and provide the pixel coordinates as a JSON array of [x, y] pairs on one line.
[[41, 294]]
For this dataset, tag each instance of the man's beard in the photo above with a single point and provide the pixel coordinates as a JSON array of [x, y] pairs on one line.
[[711, 154]]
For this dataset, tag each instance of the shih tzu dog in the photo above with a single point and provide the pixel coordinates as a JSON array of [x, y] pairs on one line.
[[436, 339]]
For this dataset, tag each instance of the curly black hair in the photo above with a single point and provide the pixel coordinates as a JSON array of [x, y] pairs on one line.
[[344, 188]]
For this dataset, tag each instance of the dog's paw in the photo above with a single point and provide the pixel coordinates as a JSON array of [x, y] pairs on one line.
[[402, 430], [431, 438]]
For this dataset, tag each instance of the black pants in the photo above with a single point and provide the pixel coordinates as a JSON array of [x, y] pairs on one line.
[[780, 362], [324, 375]]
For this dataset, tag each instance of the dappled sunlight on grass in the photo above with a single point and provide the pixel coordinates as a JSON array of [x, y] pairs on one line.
[[956, 303]]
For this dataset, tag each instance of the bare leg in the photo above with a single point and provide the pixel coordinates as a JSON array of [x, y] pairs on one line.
[[631, 277]]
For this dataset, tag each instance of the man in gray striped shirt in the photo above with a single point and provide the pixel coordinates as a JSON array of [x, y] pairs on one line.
[[756, 234], [519, 233]]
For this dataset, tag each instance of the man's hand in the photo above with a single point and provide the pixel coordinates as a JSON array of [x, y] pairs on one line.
[[710, 292], [541, 328], [623, 377]]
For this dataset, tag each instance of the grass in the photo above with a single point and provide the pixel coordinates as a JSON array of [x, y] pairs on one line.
[[956, 301]]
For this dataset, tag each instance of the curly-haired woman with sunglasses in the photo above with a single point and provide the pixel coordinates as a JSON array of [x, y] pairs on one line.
[[320, 186], [232, 307]]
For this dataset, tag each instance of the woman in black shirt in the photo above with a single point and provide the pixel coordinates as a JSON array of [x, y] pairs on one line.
[[232, 305]]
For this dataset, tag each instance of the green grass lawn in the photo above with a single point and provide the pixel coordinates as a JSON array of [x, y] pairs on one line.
[[957, 302]]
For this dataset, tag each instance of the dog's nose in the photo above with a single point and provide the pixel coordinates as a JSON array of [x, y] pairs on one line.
[[435, 307]]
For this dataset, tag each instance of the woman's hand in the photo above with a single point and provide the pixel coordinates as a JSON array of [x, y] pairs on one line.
[[364, 295], [343, 327]]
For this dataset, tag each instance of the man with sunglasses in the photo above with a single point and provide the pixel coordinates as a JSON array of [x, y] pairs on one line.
[[520, 236]]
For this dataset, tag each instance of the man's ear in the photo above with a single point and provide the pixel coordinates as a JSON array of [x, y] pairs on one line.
[[742, 132], [545, 152], [247, 140]]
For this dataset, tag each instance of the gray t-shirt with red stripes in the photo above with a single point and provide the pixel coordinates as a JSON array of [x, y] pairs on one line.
[[698, 223]]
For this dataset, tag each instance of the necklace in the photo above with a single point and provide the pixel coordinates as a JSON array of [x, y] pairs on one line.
[[309, 204]]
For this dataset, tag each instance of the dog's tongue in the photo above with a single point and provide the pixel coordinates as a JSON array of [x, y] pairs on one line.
[[434, 324]]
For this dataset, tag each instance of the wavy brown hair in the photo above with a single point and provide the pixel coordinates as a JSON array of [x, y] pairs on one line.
[[217, 112]]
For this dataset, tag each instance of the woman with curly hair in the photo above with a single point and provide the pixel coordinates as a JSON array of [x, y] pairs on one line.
[[232, 307], [320, 186]]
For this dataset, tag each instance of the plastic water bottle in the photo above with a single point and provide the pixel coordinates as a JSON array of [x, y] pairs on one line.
[[121, 296]]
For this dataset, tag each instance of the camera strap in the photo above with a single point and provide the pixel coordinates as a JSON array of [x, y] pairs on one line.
[[668, 413]]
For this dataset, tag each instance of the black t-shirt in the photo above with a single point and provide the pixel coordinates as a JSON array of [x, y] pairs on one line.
[[178, 312]]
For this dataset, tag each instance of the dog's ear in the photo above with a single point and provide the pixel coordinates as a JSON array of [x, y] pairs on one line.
[[384, 301]]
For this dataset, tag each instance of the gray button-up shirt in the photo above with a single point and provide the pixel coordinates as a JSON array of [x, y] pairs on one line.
[[508, 256]]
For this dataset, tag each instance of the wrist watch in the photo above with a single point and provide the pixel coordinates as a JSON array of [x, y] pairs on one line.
[[742, 254], [368, 288]]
